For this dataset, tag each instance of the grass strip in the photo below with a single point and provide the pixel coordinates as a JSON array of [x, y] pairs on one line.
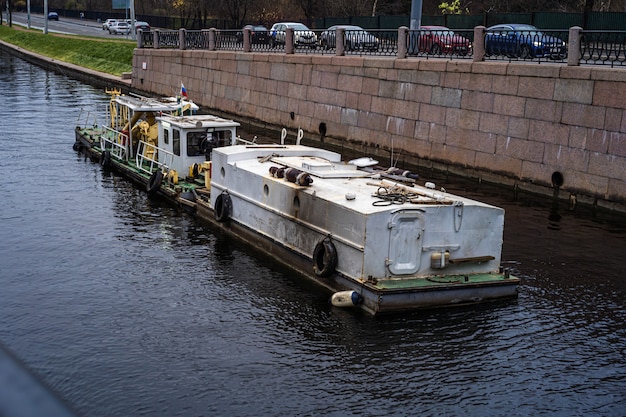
[[104, 55]]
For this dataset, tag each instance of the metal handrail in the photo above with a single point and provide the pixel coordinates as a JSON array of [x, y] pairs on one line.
[[115, 142], [147, 156]]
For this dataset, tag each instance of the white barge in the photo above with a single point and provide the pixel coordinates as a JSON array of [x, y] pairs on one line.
[[391, 244]]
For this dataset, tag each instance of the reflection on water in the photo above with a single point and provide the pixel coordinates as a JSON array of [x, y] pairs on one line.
[[125, 306]]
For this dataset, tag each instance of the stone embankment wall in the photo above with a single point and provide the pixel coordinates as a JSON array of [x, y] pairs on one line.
[[524, 124]]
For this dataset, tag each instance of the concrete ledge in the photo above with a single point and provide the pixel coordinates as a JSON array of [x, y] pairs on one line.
[[517, 122]]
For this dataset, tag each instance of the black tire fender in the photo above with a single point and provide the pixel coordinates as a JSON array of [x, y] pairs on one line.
[[154, 183], [105, 158], [324, 258], [223, 207]]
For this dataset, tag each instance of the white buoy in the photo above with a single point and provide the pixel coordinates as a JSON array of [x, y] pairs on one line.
[[346, 298], [363, 162]]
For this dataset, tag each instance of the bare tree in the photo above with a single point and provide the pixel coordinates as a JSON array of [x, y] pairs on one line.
[[310, 9], [234, 10], [350, 7]]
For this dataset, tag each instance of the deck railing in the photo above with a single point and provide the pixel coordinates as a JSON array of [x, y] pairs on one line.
[[148, 155], [573, 47], [115, 142]]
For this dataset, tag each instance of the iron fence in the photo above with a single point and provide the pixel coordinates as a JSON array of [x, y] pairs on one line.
[[166, 39], [603, 48], [594, 47], [227, 40], [147, 38], [197, 39]]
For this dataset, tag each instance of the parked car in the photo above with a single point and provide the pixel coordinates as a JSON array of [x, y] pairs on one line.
[[53, 16], [523, 41], [107, 23], [302, 36], [356, 38], [258, 34], [141, 25], [440, 40], [119, 28]]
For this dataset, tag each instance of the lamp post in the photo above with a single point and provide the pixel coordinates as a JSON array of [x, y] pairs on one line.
[[414, 26], [45, 17], [132, 20], [416, 15]]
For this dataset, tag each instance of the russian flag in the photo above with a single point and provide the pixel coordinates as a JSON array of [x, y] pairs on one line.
[[183, 91]]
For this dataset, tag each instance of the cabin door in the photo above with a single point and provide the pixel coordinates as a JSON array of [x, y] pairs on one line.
[[405, 242]]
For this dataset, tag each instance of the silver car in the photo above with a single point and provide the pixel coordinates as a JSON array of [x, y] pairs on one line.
[[119, 28], [107, 23], [302, 35], [356, 38]]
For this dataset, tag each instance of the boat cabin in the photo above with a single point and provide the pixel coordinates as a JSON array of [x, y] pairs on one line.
[[132, 119], [188, 140]]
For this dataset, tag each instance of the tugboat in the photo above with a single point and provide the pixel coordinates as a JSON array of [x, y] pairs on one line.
[[159, 144], [376, 238]]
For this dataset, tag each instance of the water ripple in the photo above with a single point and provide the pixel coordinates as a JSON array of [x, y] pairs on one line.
[[127, 307]]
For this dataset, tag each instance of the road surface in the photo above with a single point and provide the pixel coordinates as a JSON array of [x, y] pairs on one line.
[[82, 27]]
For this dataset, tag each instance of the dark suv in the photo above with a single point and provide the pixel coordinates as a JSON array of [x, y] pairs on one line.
[[258, 34]]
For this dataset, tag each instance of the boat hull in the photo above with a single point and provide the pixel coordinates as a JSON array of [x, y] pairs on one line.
[[380, 297]]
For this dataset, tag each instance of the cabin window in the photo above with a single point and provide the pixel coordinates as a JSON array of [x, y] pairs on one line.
[[176, 142], [194, 143], [222, 138], [166, 136], [226, 137]]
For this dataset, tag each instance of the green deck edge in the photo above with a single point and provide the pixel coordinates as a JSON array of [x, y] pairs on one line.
[[444, 281]]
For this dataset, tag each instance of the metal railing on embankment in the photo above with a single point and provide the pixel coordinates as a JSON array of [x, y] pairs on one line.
[[574, 46]]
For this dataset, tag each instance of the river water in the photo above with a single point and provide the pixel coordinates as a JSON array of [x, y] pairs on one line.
[[123, 306]]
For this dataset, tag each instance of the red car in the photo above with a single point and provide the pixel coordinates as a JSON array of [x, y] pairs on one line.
[[440, 40]]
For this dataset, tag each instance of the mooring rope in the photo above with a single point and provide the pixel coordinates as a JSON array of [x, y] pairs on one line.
[[389, 195], [394, 195]]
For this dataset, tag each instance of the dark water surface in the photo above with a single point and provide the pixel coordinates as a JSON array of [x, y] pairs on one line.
[[126, 307]]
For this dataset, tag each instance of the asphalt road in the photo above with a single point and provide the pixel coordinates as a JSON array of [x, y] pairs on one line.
[[70, 26]]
